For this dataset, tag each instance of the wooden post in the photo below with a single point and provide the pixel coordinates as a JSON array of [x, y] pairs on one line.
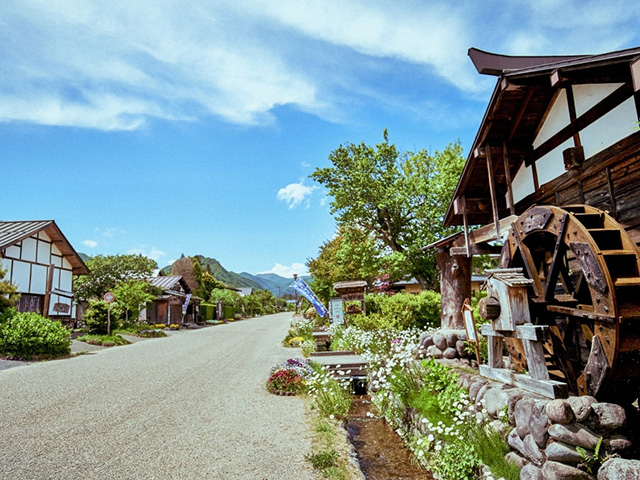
[[455, 287], [507, 176], [492, 191], [48, 288]]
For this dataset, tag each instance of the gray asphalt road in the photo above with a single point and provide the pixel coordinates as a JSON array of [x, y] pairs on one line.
[[190, 406]]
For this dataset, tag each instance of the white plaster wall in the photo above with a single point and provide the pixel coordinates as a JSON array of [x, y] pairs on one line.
[[57, 261], [613, 127], [556, 120], [20, 276], [66, 280], [13, 251], [6, 265], [522, 183], [552, 164], [38, 279], [55, 250], [44, 255], [587, 96], [29, 249]]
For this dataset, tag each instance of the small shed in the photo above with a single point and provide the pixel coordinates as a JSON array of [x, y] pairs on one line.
[[350, 291], [41, 263], [176, 305]]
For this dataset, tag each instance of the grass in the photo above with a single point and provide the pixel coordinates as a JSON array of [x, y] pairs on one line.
[[103, 340]]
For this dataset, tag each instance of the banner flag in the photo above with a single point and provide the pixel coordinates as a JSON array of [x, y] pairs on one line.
[[304, 290]]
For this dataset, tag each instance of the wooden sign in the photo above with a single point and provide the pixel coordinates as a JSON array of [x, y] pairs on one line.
[[470, 326], [61, 307]]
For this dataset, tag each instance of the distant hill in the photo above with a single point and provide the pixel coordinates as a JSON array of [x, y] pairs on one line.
[[275, 283], [220, 273]]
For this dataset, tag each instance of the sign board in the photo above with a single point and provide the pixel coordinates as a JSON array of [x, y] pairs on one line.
[[109, 297], [335, 311], [470, 326], [61, 307]]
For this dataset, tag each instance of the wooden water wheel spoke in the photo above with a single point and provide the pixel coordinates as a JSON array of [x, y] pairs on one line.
[[586, 288]]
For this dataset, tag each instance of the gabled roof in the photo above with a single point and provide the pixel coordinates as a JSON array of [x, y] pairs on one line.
[[524, 91], [171, 282], [16, 231]]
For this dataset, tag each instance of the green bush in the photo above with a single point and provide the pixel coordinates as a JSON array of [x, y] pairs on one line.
[[208, 311], [96, 317], [28, 335], [399, 311]]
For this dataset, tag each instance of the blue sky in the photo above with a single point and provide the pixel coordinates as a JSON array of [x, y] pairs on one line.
[[167, 127]]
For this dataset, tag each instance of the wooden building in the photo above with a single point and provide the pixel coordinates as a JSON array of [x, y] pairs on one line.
[[176, 305], [41, 263], [553, 181]]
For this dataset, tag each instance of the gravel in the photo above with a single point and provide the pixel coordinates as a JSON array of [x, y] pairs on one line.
[[189, 406]]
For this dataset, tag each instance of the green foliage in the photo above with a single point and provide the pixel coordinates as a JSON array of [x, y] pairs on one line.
[[399, 311], [28, 335], [108, 271], [132, 295], [392, 196], [8, 292], [591, 462], [227, 297], [322, 460], [308, 347], [208, 311], [103, 340], [96, 316], [489, 445]]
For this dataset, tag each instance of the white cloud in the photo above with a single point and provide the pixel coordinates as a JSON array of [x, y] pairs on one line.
[[153, 253], [288, 271], [90, 243], [296, 193]]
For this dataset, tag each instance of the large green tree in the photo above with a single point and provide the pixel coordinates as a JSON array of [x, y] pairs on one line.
[[132, 295], [399, 198], [107, 271]]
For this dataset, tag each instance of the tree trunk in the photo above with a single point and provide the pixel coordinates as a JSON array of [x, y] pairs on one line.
[[455, 287]]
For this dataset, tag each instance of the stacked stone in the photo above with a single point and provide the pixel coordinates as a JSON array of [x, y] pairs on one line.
[[447, 344], [546, 433]]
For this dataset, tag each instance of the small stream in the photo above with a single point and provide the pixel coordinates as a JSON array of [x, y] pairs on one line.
[[381, 453]]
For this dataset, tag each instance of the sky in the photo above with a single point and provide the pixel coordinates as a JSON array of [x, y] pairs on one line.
[[166, 127]]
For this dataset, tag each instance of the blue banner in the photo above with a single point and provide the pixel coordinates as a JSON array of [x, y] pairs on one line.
[[304, 290]]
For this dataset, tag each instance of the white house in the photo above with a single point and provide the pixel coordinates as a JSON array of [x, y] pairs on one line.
[[41, 262]]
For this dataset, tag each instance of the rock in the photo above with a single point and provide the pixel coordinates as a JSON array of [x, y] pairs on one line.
[[515, 395], [563, 453], [426, 340], [531, 450], [439, 341], [497, 425], [434, 352], [464, 380], [450, 353], [516, 459], [559, 411], [480, 397], [531, 472], [560, 471], [538, 423], [515, 441], [462, 335], [619, 469], [523, 412], [495, 401], [581, 407], [451, 337], [610, 416], [475, 388], [617, 443], [460, 349], [574, 434]]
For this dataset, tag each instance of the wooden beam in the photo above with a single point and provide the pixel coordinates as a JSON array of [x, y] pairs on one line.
[[528, 262], [476, 249], [571, 103], [465, 221], [507, 176], [488, 232], [492, 191], [523, 108], [47, 295]]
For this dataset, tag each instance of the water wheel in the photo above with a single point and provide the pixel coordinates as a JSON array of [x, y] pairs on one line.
[[586, 288]]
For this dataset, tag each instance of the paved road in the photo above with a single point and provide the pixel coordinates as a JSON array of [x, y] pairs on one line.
[[190, 406]]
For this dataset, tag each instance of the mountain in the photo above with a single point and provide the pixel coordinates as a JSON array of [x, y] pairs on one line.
[[220, 273], [275, 283]]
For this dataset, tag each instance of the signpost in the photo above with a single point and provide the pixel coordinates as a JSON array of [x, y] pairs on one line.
[[109, 298], [470, 327], [335, 311]]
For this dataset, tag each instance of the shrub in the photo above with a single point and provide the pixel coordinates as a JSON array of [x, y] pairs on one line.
[[308, 347], [285, 381], [104, 340], [400, 311], [96, 317], [28, 335]]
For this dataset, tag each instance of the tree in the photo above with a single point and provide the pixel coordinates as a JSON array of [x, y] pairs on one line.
[[226, 296], [108, 271], [8, 292], [185, 267], [398, 198], [131, 294]]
